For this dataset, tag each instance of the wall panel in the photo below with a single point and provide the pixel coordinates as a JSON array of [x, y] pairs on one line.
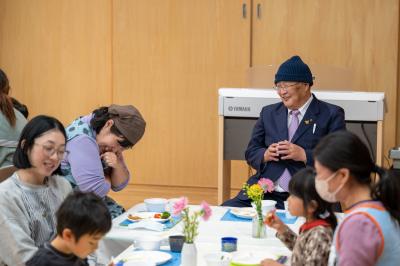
[[170, 58], [57, 54]]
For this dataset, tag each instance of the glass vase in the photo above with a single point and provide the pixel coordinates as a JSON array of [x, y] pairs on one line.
[[258, 227]]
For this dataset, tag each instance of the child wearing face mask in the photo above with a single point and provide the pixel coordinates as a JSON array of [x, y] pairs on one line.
[[370, 231], [312, 245]]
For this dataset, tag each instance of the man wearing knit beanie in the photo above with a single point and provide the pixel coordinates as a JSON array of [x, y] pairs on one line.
[[286, 133]]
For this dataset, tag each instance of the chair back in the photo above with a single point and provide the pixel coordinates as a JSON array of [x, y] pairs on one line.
[[6, 172]]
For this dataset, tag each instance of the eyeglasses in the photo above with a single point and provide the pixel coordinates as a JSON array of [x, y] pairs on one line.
[[50, 151], [285, 87]]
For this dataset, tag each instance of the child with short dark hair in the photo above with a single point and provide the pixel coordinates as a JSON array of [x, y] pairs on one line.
[[312, 245], [82, 220]]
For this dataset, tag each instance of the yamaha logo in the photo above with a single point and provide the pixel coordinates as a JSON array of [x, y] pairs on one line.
[[239, 108]]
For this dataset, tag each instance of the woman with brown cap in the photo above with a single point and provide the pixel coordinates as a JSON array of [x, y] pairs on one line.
[[95, 145]]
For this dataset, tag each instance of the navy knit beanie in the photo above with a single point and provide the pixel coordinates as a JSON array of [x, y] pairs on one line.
[[294, 69]]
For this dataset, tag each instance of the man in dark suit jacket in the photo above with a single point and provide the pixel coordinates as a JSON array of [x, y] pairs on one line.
[[271, 151]]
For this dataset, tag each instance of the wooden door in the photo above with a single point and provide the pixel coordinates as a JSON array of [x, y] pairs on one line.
[[361, 36], [169, 59]]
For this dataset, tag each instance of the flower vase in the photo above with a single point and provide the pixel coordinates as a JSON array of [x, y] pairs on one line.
[[258, 227], [189, 255]]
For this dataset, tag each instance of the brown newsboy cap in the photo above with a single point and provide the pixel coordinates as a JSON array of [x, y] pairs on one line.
[[128, 121]]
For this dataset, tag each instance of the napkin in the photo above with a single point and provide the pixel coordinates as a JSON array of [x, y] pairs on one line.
[[147, 224]]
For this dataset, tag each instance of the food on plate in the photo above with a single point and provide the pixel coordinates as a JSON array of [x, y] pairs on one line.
[[165, 215], [245, 213], [133, 217]]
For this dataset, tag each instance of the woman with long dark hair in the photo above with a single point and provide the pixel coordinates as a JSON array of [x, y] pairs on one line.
[[11, 123], [95, 144], [370, 231]]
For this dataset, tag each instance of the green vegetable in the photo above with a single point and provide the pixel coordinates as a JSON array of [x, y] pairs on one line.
[[165, 215]]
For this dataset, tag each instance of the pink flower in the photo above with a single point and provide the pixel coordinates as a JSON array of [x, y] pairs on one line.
[[266, 184], [180, 205], [206, 210]]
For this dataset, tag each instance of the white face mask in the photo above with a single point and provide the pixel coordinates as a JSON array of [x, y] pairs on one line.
[[322, 187]]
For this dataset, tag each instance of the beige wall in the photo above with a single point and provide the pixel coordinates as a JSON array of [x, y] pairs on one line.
[[169, 57], [57, 54]]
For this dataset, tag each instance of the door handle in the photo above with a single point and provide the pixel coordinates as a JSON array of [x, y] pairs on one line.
[[259, 11], [244, 10]]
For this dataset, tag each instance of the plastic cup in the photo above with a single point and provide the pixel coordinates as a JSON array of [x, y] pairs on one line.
[[267, 206], [176, 243], [229, 244]]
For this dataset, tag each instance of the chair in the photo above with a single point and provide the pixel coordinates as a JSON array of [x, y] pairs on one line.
[[6, 172]]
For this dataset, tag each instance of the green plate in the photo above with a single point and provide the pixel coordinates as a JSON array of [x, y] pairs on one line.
[[242, 264]]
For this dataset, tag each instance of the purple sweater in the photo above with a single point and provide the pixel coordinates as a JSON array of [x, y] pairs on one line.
[[85, 162]]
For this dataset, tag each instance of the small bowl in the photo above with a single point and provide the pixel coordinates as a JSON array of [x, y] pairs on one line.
[[218, 259], [148, 242], [155, 204]]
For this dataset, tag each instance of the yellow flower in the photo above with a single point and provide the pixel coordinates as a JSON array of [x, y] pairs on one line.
[[255, 191]]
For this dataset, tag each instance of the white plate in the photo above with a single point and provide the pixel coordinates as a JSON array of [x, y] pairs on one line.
[[156, 257], [246, 213], [146, 216], [251, 257]]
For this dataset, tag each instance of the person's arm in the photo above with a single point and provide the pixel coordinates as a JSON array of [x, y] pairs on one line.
[[86, 167], [359, 241], [336, 123], [283, 232], [316, 247], [256, 148], [120, 175], [288, 237], [17, 246]]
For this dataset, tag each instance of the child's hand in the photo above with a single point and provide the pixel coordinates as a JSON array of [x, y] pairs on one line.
[[269, 262], [273, 221]]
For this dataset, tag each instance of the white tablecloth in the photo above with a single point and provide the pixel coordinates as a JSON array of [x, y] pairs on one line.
[[208, 240]]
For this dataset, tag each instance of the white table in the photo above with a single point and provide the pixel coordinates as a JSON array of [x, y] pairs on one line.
[[119, 239]]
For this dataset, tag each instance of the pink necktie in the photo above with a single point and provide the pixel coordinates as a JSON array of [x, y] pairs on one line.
[[284, 179]]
